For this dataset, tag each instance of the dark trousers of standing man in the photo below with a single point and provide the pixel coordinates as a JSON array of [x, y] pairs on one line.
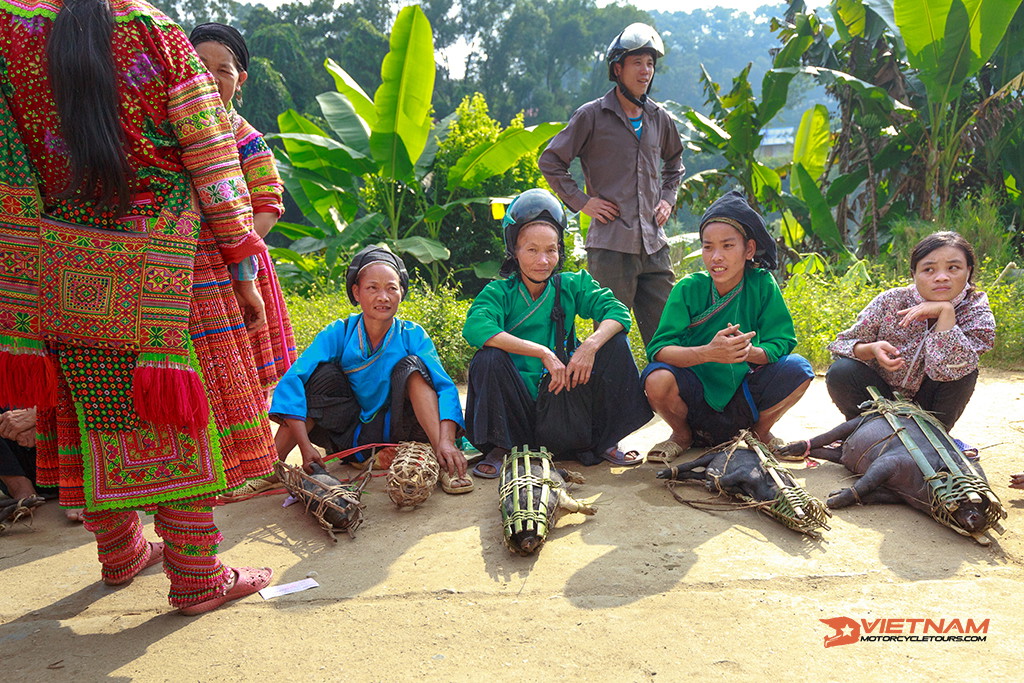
[[641, 281]]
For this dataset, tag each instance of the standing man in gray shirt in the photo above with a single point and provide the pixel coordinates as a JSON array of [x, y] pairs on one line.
[[630, 151]]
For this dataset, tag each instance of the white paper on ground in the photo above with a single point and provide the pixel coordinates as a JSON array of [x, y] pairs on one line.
[[287, 588]]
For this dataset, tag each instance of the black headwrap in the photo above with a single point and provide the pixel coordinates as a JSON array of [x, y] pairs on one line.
[[367, 257], [228, 36], [733, 209]]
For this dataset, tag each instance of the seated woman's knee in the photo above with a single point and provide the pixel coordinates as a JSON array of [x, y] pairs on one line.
[[661, 387], [488, 358]]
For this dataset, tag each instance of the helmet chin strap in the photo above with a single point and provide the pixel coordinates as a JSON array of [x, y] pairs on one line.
[[629, 96]]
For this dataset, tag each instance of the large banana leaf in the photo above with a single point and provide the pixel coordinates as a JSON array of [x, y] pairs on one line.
[[403, 99], [425, 163], [774, 92], [763, 178], [948, 41], [822, 222], [492, 158], [424, 249], [341, 116], [707, 127], [309, 147], [863, 89], [348, 87], [322, 202], [359, 230], [811, 146], [296, 231], [743, 126], [850, 17], [884, 10]]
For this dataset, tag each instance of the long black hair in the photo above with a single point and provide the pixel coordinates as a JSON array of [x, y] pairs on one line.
[[84, 83]]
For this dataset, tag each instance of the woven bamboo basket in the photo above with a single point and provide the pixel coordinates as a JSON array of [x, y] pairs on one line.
[[319, 498], [412, 475]]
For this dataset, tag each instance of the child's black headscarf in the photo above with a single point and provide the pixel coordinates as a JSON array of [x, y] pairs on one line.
[[732, 208], [367, 257]]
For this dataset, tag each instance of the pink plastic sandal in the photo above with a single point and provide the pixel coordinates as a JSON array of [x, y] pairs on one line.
[[156, 555], [248, 580]]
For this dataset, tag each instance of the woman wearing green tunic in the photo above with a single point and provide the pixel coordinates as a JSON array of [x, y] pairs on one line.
[[720, 360], [532, 382]]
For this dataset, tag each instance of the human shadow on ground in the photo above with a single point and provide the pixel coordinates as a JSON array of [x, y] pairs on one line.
[[47, 532], [43, 644], [291, 541], [914, 546], [643, 520]]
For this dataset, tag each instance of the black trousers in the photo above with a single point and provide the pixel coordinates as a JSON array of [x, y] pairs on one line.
[[334, 409], [588, 420], [848, 380]]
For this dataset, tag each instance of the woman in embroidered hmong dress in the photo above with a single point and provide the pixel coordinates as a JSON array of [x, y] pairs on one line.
[[922, 340], [721, 359], [224, 52], [131, 343], [523, 372]]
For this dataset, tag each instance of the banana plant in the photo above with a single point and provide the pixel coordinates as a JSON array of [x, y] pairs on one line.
[[370, 177]]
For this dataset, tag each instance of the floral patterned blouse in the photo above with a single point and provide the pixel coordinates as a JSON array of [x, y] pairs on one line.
[[942, 356]]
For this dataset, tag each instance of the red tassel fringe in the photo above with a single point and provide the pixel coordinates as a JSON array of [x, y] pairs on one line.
[[171, 396], [27, 380]]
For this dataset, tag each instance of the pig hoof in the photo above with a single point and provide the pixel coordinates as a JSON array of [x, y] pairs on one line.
[[839, 499]]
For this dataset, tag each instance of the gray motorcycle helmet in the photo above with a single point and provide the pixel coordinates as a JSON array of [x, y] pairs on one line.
[[636, 37]]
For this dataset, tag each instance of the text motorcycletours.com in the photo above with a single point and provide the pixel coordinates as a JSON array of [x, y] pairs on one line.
[[847, 631]]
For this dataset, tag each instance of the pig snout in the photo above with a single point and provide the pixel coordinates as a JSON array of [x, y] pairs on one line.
[[971, 516]]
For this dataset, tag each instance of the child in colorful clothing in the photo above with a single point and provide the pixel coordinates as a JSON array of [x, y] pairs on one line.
[[922, 340], [720, 360], [372, 378], [224, 52]]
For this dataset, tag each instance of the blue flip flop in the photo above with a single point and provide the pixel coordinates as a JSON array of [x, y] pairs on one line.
[[623, 459], [494, 461]]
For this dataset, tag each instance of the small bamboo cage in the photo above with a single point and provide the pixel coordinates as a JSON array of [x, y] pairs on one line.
[[319, 499], [958, 484], [413, 474], [792, 506]]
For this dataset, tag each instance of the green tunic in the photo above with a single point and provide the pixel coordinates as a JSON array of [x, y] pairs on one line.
[[757, 306], [506, 306]]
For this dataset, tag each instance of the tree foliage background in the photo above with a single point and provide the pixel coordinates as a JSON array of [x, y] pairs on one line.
[[539, 57]]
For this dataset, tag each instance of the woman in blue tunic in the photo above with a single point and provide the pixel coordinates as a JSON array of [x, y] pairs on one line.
[[532, 382], [372, 378]]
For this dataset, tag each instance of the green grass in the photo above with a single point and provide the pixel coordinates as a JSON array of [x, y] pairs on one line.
[[440, 313]]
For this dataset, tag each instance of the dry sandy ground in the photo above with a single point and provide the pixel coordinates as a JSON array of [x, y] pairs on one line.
[[646, 590]]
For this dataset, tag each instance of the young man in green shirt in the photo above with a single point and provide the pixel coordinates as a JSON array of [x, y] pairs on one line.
[[720, 360]]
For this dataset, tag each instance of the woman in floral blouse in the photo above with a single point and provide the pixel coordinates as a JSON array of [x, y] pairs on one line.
[[923, 340]]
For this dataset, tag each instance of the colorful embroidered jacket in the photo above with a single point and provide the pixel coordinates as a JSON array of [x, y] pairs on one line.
[[693, 315], [506, 306], [266, 191], [942, 356], [368, 370], [169, 109]]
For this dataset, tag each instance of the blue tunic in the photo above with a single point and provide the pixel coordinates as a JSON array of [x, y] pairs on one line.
[[346, 343]]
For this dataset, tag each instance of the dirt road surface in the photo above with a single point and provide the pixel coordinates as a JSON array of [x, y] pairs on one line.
[[647, 590]]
